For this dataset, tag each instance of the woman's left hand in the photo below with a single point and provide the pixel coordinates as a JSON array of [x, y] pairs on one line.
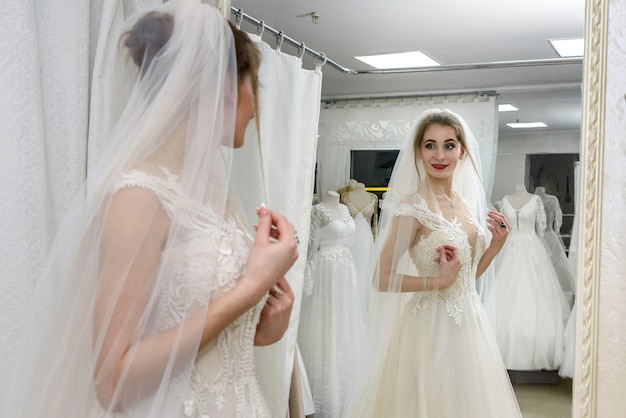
[[499, 227], [274, 319]]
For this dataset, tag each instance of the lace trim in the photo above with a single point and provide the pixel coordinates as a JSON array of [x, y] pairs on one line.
[[206, 260], [462, 292]]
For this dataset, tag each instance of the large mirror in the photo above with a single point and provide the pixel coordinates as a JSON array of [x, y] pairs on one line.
[[489, 52]]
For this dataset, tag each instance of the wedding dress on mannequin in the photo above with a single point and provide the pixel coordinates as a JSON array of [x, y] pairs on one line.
[[531, 306], [553, 242], [363, 207], [332, 320]]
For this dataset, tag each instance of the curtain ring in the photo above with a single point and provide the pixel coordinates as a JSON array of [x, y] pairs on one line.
[[260, 28], [238, 18], [301, 50], [324, 59], [279, 40]]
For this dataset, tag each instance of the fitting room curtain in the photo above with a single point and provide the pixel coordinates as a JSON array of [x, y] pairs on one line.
[[52, 70], [289, 102]]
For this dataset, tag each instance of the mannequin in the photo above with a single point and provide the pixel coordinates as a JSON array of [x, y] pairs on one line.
[[359, 196], [331, 201], [361, 201], [332, 321], [530, 304], [520, 197], [348, 187]]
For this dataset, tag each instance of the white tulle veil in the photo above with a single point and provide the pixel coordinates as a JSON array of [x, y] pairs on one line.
[[188, 92], [408, 184]]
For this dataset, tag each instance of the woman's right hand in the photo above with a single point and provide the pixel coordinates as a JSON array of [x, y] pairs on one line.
[[273, 253], [449, 266]]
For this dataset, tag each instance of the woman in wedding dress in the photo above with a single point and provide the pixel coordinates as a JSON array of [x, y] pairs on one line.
[[530, 304], [155, 291], [435, 354], [332, 319]]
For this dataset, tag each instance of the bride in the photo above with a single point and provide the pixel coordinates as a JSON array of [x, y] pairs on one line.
[[434, 352], [155, 290]]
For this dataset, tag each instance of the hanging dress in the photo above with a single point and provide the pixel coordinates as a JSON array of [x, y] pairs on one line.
[[362, 247], [554, 245], [332, 318], [530, 303]]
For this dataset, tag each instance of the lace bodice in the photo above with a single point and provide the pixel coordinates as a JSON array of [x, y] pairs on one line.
[[206, 261], [330, 237], [528, 219], [369, 211], [465, 234], [554, 215]]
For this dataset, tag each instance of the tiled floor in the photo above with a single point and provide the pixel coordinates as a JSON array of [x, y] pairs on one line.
[[545, 401]]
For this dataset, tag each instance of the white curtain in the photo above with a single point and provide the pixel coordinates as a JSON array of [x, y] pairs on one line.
[[385, 123], [44, 79], [289, 102], [48, 52]]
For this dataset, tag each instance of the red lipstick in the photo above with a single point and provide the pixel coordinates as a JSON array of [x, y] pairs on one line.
[[439, 166]]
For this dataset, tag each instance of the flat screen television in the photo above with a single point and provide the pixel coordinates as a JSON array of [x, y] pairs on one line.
[[372, 167]]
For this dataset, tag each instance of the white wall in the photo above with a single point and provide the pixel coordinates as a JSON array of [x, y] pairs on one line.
[[512, 151]]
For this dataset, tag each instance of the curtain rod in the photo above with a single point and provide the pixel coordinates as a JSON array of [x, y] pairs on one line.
[[280, 37], [477, 94]]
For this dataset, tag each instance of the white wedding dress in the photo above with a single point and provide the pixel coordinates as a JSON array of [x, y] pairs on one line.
[[554, 245], [332, 318], [443, 359], [362, 247], [530, 305], [206, 263]]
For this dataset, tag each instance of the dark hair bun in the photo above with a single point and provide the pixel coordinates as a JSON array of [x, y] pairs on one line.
[[146, 38]]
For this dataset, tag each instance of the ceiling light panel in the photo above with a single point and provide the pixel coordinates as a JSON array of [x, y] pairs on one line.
[[399, 60], [524, 125], [568, 47], [506, 107]]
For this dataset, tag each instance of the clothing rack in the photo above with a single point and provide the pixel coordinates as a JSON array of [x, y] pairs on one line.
[[302, 49]]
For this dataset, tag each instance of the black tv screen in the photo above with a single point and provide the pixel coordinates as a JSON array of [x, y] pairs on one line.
[[372, 167]]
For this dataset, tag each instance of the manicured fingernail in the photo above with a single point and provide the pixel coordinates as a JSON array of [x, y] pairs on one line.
[[262, 210]]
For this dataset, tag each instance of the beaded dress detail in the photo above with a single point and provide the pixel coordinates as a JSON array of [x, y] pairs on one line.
[[207, 261]]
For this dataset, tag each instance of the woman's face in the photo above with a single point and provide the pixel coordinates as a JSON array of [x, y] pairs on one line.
[[246, 109], [440, 151]]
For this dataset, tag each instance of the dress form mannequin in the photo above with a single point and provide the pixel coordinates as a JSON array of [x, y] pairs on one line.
[[520, 197], [348, 187], [359, 196], [331, 201], [361, 201]]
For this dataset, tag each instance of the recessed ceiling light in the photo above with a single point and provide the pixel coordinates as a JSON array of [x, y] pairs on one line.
[[506, 107], [521, 125], [399, 60], [568, 47]]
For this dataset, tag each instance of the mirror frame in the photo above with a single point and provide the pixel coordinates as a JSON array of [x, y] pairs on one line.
[[590, 203]]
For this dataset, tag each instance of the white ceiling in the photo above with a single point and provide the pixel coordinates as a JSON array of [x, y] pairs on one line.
[[451, 31]]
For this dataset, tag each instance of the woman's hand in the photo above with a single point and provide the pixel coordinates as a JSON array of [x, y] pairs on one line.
[[273, 253], [449, 266], [499, 227], [275, 315]]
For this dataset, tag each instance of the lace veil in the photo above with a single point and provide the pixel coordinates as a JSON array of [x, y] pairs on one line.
[[173, 117], [409, 185]]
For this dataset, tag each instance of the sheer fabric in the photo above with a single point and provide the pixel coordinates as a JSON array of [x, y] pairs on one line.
[[96, 292], [430, 353]]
